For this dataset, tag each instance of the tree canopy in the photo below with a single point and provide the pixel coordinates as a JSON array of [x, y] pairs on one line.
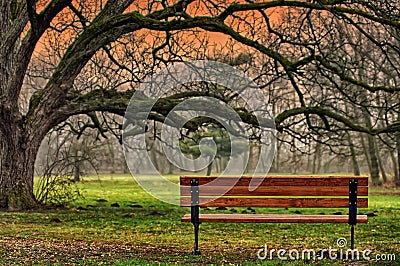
[[328, 67]]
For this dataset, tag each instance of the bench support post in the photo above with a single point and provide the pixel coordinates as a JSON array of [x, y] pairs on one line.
[[352, 208], [352, 237], [194, 211]]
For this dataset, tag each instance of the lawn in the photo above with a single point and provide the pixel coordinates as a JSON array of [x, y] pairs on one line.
[[117, 223]]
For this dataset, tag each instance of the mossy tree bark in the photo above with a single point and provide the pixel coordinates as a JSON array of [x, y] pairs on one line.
[[17, 170]]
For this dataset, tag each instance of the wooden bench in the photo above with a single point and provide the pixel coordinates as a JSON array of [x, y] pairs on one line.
[[274, 191]]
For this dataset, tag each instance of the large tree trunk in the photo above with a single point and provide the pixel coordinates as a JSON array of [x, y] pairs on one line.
[[17, 172], [316, 164], [277, 159], [374, 160], [356, 167], [77, 165], [381, 166], [394, 163], [209, 169], [371, 145], [397, 177], [17, 152], [397, 135]]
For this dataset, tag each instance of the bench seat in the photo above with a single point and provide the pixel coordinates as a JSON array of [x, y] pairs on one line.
[[275, 218]]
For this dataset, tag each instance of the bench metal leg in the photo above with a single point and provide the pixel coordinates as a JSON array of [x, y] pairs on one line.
[[196, 250], [352, 237], [195, 216], [353, 184]]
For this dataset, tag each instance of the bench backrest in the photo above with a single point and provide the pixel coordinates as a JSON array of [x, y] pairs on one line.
[[274, 191]]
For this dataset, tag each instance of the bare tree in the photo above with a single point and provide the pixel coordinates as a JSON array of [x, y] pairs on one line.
[[300, 49]]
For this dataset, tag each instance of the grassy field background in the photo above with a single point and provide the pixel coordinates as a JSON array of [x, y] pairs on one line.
[[117, 223]]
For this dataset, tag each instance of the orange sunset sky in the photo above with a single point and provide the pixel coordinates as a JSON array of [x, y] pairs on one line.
[[91, 7]]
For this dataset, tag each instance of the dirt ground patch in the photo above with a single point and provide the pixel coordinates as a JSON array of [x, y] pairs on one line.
[[17, 251]]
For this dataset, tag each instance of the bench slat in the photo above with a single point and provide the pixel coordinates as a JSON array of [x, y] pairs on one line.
[[278, 202], [275, 218], [323, 181], [274, 191]]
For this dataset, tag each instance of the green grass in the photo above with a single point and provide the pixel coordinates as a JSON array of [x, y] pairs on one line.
[[145, 231]]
